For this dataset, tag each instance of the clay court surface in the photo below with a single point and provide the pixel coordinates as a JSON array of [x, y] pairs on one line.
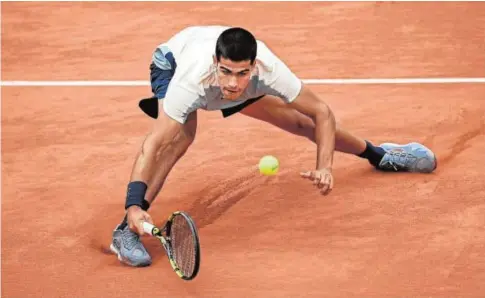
[[67, 153]]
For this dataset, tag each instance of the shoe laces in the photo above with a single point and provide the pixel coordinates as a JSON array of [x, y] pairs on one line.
[[399, 159], [130, 239]]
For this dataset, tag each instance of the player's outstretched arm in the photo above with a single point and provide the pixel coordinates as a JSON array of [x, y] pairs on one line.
[[313, 106], [159, 152]]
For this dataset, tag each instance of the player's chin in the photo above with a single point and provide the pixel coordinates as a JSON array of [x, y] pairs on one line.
[[232, 95]]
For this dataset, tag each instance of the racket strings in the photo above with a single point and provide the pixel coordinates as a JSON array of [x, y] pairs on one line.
[[183, 245]]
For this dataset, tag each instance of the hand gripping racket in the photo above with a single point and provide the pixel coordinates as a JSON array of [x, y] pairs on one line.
[[180, 240]]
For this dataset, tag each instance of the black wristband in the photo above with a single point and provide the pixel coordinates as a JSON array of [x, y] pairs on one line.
[[136, 195], [145, 205]]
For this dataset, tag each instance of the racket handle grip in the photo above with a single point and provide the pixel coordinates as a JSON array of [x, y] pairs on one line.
[[148, 228]]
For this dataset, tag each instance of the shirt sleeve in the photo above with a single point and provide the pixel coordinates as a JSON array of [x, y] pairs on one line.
[[179, 102], [280, 81]]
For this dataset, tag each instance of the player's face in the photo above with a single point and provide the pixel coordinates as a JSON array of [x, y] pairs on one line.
[[233, 77]]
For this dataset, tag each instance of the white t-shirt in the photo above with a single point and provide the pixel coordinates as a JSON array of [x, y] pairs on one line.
[[194, 84]]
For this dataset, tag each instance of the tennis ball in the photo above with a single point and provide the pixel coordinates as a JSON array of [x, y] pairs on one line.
[[268, 165]]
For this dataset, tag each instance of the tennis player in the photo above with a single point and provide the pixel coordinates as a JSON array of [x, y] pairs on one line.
[[227, 69]]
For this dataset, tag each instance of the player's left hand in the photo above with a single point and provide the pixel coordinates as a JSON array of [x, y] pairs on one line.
[[322, 179]]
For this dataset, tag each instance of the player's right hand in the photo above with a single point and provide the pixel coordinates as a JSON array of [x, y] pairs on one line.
[[136, 217]]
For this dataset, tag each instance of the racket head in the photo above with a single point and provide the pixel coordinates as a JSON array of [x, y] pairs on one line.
[[183, 243]]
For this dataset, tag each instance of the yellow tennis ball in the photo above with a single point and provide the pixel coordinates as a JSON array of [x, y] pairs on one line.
[[268, 165]]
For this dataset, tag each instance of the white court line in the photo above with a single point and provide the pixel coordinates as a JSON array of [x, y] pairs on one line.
[[306, 81]]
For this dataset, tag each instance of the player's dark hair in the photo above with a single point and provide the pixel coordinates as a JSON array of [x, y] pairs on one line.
[[236, 44]]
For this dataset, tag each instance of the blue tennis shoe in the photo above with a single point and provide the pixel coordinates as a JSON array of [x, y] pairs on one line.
[[412, 157]]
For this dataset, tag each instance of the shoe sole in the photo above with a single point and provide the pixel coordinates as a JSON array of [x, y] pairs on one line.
[[125, 261]]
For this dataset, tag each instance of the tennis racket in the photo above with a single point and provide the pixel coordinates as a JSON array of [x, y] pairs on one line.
[[180, 239]]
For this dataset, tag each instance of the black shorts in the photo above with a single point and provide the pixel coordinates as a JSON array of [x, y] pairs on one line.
[[160, 79]]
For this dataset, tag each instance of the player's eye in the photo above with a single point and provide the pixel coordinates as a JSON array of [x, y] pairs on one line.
[[225, 71]]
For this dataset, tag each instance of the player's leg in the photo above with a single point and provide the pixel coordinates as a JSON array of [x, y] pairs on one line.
[[387, 157], [272, 110]]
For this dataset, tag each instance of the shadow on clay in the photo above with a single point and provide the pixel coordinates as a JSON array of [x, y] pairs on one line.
[[216, 200]]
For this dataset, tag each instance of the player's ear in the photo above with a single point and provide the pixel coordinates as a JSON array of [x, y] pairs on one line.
[[214, 59]]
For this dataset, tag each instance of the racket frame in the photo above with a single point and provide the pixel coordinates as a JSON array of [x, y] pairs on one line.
[[163, 235]]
